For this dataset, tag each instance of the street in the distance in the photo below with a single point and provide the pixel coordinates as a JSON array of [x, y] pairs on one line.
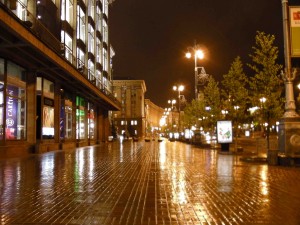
[[146, 183]]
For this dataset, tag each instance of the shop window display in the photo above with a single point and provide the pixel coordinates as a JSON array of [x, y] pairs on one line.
[[15, 116], [91, 122], [80, 118]]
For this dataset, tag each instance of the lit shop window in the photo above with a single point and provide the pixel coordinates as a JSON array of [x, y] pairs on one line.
[[48, 110], [91, 122], [80, 118], [15, 103], [68, 127], [66, 118]]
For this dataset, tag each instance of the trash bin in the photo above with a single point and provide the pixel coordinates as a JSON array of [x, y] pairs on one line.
[[272, 157]]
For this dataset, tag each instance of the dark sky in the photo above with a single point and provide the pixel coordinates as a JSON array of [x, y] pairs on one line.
[[150, 39]]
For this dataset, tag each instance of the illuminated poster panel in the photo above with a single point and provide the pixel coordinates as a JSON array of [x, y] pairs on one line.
[[295, 31], [48, 118], [224, 131], [11, 113]]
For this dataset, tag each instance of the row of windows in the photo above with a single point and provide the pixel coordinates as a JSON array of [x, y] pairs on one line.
[[132, 122], [85, 31]]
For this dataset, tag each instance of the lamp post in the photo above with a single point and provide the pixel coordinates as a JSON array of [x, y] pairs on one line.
[[289, 124], [178, 88], [172, 102], [198, 54], [288, 75], [262, 101]]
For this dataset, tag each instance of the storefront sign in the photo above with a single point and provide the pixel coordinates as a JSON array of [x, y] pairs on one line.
[[295, 31], [224, 131]]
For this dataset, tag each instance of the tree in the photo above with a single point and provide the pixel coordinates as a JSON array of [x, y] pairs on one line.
[[265, 81], [212, 100], [193, 112], [235, 92], [265, 84]]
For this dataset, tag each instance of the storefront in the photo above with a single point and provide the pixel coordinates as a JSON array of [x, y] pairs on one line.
[[12, 102], [60, 118]]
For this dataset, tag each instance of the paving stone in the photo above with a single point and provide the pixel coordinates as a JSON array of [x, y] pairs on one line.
[[135, 183]]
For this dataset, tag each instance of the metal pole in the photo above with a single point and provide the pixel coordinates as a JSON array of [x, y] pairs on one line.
[[196, 74], [179, 110], [288, 76]]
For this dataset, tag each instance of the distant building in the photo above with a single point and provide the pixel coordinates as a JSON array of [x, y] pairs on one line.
[[153, 114], [55, 75], [130, 120]]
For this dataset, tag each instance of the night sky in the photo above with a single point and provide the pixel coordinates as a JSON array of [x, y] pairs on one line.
[[150, 39]]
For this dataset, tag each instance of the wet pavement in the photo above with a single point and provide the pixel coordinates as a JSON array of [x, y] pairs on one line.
[[146, 183]]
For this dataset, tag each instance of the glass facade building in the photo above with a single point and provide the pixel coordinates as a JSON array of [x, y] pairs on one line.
[[55, 75]]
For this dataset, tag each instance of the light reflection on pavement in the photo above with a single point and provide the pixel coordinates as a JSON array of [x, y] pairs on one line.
[[146, 183]]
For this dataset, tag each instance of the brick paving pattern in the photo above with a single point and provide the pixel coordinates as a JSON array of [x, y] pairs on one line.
[[146, 183]]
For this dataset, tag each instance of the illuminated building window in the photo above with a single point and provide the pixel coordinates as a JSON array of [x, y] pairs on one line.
[[134, 122], [68, 45], [91, 73], [67, 11], [21, 9], [80, 59], [80, 24], [99, 19], [91, 39], [91, 9]]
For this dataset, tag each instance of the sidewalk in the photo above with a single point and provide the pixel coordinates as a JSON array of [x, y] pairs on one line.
[[146, 183]]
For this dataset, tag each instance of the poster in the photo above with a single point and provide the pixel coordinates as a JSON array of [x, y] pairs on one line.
[[224, 131], [295, 31], [11, 113], [48, 122]]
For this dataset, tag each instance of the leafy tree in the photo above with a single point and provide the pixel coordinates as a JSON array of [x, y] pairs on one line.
[[235, 92], [265, 81], [193, 112], [212, 100]]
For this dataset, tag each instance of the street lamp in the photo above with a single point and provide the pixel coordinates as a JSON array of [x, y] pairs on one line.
[[262, 101], [172, 102], [198, 54], [178, 88], [287, 74]]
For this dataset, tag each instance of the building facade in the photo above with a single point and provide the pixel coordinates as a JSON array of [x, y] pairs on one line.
[[154, 115], [130, 120], [55, 75]]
